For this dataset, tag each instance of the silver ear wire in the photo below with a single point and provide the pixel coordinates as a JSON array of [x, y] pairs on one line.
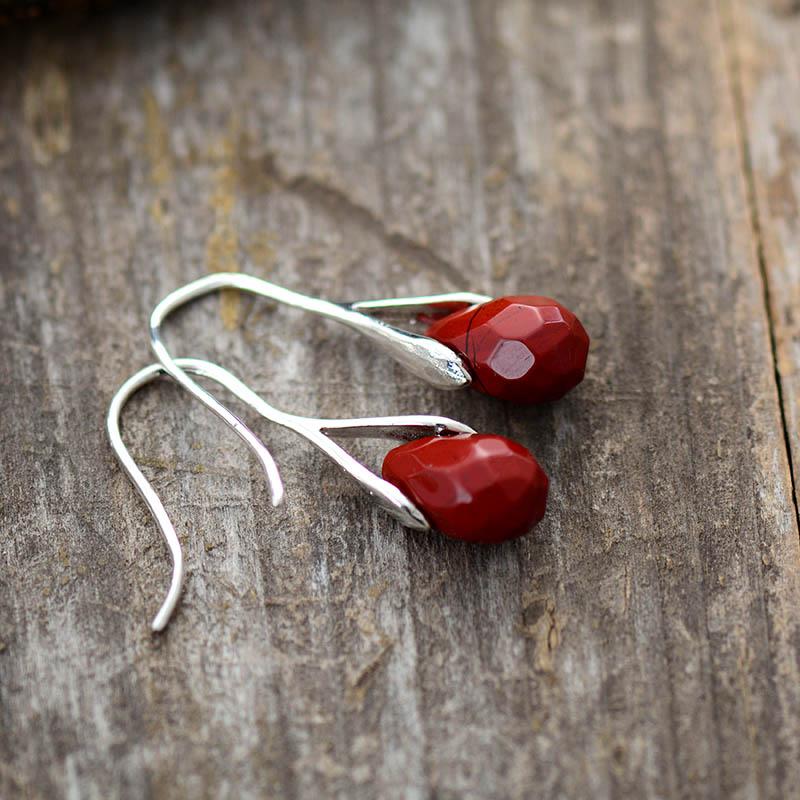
[[151, 499], [317, 431], [425, 357]]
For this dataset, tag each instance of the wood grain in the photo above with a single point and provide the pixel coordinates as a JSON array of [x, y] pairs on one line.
[[765, 46], [643, 642]]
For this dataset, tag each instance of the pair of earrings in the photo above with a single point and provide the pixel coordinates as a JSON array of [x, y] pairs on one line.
[[446, 476]]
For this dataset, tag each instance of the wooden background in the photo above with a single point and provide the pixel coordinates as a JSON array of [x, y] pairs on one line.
[[639, 160]]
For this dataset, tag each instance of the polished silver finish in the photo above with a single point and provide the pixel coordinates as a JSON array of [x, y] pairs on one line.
[[317, 431]]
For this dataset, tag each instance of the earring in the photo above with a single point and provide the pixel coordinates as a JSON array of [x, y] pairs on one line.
[[470, 486], [527, 349]]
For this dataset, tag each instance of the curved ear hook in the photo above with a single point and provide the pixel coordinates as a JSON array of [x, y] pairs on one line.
[[426, 357], [317, 431], [151, 499]]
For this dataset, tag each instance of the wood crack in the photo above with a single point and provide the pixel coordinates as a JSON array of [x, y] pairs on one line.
[[728, 37]]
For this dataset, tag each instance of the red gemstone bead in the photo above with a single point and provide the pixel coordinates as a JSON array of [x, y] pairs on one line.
[[475, 487], [525, 349]]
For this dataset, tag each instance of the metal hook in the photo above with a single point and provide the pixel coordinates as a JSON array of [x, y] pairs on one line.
[[425, 357], [317, 431], [151, 499]]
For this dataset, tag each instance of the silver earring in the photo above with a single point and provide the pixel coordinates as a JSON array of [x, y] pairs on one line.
[[523, 348]]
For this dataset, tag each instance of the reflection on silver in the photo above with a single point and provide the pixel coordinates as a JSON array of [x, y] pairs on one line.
[[317, 431]]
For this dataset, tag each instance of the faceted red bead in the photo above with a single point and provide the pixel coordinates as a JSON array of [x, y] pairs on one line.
[[475, 487], [525, 349]]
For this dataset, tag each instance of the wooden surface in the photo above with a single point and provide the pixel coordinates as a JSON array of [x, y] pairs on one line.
[[638, 160]]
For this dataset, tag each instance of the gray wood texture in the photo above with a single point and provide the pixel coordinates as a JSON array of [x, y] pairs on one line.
[[637, 160], [766, 46]]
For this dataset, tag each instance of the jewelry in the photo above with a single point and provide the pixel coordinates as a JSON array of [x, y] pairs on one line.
[[446, 476], [470, 486], [527, 349]]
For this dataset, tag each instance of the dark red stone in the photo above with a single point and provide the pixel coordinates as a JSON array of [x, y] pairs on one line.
[[476, 487], [525, 349]]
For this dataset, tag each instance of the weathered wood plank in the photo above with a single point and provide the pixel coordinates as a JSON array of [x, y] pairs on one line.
[[765, 45], [643, 642]]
